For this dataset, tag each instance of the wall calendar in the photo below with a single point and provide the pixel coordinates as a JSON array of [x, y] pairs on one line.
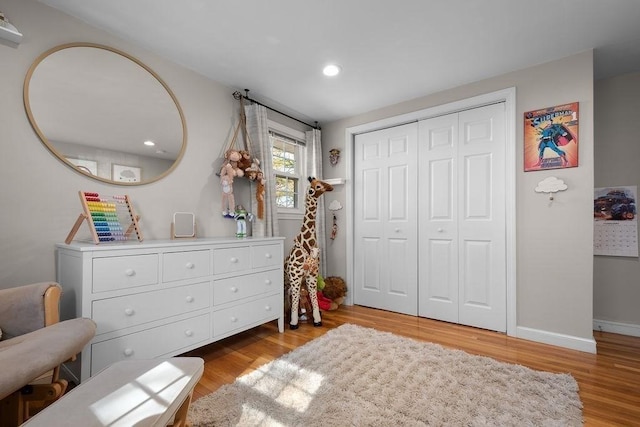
[[615, 231]]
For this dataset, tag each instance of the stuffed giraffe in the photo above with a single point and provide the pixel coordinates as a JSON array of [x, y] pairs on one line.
[[302, 262]]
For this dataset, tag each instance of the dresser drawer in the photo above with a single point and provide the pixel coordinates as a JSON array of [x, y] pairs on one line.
[[111, 314], [151, 343], [185, 265], [240, 316], [121, 272], [231, 259], [266, 256], [239, 287]]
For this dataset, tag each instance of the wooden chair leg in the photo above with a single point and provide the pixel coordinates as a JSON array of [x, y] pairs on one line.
[[180, 418], [12, 410]]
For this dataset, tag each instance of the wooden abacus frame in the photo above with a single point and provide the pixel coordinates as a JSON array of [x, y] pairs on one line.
[[86, 215]]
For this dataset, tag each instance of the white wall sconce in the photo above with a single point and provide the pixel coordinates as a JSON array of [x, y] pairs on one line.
[[551, 185]]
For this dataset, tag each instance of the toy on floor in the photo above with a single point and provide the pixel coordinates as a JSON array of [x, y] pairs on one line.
[[335, 290], [301, 264]]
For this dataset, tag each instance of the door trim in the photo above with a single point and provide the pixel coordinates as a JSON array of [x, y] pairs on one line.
[[508, 96]]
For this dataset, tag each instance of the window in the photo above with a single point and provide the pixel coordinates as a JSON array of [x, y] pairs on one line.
[[287, 153]]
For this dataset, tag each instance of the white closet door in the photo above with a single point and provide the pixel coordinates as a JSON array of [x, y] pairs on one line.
[[385, 223], [462, 221], [439, 218]]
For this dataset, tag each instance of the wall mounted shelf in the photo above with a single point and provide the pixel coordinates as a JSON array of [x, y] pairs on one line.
[[9, 32], [335, 181]]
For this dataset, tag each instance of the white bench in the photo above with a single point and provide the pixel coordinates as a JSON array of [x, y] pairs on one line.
[[133, 392]]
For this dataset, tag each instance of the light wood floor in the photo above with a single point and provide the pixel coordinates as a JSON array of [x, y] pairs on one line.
[[609, 381]]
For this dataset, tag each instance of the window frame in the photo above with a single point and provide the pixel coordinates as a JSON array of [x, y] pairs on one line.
[[301, 167]]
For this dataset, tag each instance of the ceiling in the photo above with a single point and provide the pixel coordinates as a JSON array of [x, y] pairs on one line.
[[390, 51]]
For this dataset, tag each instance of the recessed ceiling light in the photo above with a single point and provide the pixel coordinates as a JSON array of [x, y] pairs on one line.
[[149, 143], [331, 70]]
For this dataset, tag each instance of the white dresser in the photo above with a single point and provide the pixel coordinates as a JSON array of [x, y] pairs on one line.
[[162, 298]]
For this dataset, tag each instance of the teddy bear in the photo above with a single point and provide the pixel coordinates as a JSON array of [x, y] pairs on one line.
[[335, 290]]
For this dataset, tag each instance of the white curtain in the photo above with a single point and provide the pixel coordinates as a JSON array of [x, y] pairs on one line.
[[258, 130], [314, 168]]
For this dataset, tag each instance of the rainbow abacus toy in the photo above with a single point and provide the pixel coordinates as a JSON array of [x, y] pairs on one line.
[[106, 216]]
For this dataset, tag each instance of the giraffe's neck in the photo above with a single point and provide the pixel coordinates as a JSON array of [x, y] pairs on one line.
[[307, 236]]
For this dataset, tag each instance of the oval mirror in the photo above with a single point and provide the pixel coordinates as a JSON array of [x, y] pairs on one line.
[[105, 114]]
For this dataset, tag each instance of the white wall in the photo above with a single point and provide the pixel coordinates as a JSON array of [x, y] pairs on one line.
[[39, 195], [617, 147], [554, 242]]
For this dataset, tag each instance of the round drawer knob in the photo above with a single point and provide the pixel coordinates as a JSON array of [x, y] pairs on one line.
[[130, 272], [234, 260], [234, 289], [397, 230], [188, 333], [440, 230], [128, 352], [233, 319], [267, 282], [190, 265], [189, 298], [267, 308], [129, 311], [268, 256]]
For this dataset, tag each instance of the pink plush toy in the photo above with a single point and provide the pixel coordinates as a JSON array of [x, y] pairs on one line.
[[226, 183]]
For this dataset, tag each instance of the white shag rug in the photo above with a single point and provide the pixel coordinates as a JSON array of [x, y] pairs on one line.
[[356, 376]]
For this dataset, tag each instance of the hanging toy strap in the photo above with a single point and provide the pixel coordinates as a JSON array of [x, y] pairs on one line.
[[245, 131]]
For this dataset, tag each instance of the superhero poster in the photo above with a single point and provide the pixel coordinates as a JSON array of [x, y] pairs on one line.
[[551, 138]]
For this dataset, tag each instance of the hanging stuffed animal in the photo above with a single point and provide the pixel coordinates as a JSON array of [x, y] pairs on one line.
[[260, 194], [226, 183], [245, 160], [232, 157]]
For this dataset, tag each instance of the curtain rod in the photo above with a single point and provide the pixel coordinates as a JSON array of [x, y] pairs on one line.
[[237, 95]]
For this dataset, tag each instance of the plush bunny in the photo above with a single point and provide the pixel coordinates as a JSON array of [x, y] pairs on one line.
[[226, 182]]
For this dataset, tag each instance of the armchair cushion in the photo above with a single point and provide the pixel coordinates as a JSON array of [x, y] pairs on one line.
[[28, 356], [22, 309]]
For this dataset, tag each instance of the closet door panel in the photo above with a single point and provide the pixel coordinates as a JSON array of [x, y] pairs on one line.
[[385, 212], [481, 226], [438, 202]]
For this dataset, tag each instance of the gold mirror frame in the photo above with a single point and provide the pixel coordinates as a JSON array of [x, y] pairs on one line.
[[178, 119]]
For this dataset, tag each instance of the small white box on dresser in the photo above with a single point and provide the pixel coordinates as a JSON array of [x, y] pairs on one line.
[[165, 297]]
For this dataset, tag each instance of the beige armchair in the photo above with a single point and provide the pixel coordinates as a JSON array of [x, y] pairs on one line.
[[33, 345]]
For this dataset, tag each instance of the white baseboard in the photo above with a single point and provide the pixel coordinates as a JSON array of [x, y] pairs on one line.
[[560, 340], [616, 327]]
